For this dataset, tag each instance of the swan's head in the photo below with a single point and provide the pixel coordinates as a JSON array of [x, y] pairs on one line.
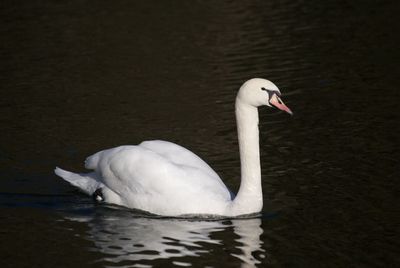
[[258, 92]]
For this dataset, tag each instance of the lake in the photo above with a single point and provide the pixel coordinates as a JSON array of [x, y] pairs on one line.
[[80, 76]]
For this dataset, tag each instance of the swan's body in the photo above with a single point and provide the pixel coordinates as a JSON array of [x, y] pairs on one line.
[[140, 176], [164, 178]]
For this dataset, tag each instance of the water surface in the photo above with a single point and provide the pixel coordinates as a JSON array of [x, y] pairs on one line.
[[80, 76]]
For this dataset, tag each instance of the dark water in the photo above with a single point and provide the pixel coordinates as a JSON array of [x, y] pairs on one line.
[[80, 76]]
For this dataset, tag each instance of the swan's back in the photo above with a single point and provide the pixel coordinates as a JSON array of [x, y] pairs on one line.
[[160, 177]]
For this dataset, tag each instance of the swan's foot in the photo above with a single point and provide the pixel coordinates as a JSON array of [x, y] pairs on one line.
[[98, 195]]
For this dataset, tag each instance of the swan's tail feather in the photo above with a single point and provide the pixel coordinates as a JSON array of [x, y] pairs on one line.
[[87, 183]]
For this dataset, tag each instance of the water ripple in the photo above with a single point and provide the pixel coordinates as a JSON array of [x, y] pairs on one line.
[[125, 237]]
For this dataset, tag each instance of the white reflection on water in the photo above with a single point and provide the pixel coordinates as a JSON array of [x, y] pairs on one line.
[[125, 238]]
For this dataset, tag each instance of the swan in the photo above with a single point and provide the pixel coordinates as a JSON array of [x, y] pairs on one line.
[[165, 179]]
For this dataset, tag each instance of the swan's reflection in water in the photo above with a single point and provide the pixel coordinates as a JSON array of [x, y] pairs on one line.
[[130, 240]]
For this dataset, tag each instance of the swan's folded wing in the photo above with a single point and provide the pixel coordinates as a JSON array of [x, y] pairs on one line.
[[179, 155], [142, 176]]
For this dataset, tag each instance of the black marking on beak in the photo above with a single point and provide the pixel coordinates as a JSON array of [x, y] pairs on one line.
[[271, 93]]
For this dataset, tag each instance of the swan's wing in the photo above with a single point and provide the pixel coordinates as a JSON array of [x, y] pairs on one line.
[[149, 180], [179, 155]]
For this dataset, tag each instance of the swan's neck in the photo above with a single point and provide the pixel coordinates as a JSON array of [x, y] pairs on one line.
[[249, 197]]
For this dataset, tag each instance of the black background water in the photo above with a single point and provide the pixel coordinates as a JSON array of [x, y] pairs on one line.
[[80, 76]]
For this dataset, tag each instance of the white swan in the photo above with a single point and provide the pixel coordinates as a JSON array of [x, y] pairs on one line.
[[166, 179]]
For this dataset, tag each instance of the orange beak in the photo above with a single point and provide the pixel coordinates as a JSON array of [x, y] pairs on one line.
[[278, 103]]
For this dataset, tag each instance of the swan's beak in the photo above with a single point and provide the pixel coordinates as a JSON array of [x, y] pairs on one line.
[[278, 103]]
